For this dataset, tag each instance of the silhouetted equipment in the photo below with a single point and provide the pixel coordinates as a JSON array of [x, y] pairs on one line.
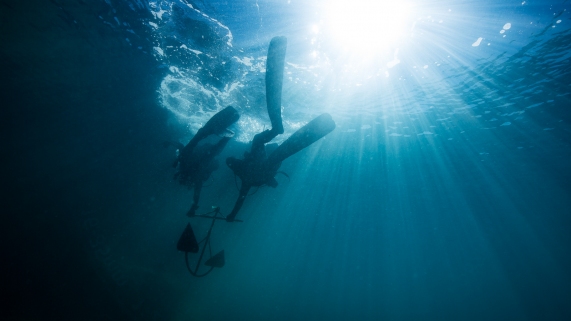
[[217, 260], [187, 241], [221, 120], [256, 168], [303, 137], [274, 81], [215, 126], [197, 162], [188, 244]]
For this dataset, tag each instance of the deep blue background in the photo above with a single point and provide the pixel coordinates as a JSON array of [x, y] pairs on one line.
[[369, 226]]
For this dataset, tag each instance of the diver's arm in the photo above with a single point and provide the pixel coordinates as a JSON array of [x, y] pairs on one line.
[[243, 193]]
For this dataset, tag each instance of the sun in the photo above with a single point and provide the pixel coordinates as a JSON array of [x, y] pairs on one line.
[[368, 26]]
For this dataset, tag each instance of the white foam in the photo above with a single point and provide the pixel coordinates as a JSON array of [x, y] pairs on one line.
[[477, 43], [159, 14], [246, 60], [159, 51], [191, 50]]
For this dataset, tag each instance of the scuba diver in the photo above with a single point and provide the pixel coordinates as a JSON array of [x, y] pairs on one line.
[[196, 163], [257, 169]]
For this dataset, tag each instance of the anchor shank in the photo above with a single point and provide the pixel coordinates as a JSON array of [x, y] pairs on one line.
[[205, 244]]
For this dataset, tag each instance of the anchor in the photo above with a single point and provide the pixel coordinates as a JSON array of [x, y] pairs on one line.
[[187, 243]]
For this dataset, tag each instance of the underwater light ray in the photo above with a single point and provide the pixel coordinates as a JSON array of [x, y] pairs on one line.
[[366, 26]]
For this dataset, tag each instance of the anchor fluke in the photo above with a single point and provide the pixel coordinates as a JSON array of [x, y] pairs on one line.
[[217, 260], [187, 242]]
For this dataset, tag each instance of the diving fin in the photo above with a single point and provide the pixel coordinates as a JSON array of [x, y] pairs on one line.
[[218, 123], [215, 126], [187, 242], [303, 137], [274, 81]]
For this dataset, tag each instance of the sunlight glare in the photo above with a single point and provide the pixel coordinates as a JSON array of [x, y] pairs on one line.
[[368, 25]]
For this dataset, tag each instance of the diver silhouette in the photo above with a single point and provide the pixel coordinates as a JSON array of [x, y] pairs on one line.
[[197, 162], [257, 168]]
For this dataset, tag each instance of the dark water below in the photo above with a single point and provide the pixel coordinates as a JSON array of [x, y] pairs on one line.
[[433, 209]]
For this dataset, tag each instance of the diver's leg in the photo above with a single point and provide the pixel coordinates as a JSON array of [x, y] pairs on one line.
[[243, 193], [195, 198], [260, 140], [274, 81]]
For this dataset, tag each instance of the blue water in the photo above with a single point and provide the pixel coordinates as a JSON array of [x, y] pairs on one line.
[[443, 194]]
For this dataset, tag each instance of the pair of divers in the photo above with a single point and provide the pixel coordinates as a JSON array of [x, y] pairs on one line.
[[256, 168]]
